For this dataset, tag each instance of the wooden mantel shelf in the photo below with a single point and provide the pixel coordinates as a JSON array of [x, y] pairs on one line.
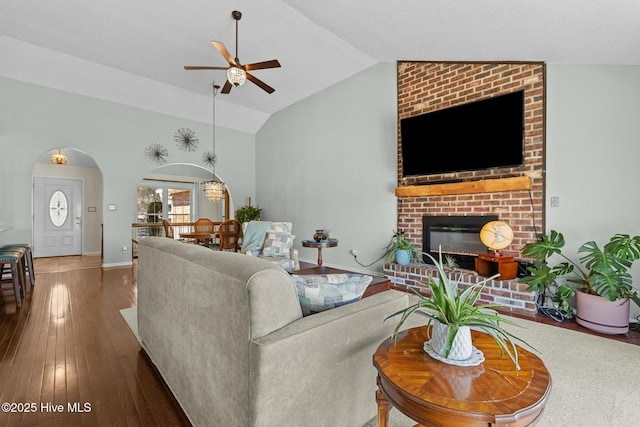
[[468, 187]]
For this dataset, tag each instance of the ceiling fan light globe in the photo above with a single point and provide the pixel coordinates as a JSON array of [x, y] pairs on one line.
[[236, 76]]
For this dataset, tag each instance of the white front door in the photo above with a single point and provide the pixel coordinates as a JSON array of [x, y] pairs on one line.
[[57, 222]]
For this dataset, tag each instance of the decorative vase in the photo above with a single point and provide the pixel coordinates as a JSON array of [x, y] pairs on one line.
[[403, 256], [601, 315], [462, 347], [320, 235]]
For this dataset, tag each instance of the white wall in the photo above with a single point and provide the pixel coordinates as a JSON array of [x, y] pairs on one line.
[[34, 119], [329, 161]]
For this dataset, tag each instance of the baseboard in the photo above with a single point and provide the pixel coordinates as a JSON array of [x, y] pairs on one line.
[[118, 264]]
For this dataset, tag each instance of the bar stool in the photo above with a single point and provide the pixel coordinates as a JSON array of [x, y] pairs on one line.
[[13, 260], [22, 266], [28, 257]]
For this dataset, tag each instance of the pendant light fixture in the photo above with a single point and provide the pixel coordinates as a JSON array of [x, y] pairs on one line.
[[59, 158], [213, 189]]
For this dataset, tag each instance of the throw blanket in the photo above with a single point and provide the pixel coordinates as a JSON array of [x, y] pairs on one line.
[[254, 237]]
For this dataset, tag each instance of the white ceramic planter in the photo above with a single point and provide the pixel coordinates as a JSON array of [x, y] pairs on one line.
[[462, 347], [601, 315]]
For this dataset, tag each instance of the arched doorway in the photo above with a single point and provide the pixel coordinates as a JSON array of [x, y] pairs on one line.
[[176, 189], [67, 205]]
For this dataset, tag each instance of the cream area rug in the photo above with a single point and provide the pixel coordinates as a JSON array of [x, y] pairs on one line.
[[131, 317], [595, 381]]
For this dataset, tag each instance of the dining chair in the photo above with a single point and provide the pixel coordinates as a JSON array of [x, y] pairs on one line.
[[168, 228], [230, 232], [204, 225]]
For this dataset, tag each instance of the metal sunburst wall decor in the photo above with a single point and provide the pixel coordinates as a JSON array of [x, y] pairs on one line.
[[209, 158], [157, 154], [186, 139]]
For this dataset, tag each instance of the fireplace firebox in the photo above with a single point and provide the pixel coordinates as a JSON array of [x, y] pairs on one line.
[[457, 236]]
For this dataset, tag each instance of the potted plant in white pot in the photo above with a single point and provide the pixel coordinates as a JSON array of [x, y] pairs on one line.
[[452, 313], [401, 250], [600, 278]]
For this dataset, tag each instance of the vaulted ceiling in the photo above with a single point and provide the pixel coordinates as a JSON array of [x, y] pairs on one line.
[[134, 51]]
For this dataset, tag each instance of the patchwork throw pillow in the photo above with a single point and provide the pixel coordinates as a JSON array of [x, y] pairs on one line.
[[278, 244], [281, 227], [320, 292]]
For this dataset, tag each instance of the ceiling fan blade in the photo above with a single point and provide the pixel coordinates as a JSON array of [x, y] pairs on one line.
[[260, 83], [224, 52], [262, 65], [227, 87], [203, 67]]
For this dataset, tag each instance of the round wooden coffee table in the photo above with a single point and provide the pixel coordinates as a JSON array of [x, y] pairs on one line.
[[435, 393]]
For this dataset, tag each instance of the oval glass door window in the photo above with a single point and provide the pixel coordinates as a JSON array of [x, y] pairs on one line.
[[58, 210]]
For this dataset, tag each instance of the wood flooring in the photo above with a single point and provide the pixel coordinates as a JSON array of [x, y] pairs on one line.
[[68, 358]]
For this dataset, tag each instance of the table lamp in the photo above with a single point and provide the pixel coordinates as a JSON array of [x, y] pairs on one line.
[[496, 235]]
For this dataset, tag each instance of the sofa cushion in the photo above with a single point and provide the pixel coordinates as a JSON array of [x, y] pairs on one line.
[[320, 292], [278, 244]]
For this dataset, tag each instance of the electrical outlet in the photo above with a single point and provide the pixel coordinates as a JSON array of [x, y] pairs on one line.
[[124, 249], [555, 202], [353, 252]]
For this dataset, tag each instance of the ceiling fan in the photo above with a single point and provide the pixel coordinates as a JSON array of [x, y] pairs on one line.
[[236, 72]]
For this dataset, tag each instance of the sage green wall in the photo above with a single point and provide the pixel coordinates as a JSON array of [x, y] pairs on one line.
[[593, 151], [329, 161], [35, 119]]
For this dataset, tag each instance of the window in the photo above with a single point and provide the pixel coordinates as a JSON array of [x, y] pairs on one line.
[[58, 210], [157, 200]]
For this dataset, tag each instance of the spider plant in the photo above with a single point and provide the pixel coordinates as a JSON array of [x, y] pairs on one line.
[[400, 243], [456, 308]]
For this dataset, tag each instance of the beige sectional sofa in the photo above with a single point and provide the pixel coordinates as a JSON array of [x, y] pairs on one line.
[[227, 334]]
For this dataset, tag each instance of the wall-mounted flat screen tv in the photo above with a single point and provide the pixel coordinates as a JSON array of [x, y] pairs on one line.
[[484, 134]]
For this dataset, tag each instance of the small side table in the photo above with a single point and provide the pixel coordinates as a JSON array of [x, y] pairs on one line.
[[331, 243], [490, 264]]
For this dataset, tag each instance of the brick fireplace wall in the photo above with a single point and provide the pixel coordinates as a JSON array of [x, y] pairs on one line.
[[428, 86]]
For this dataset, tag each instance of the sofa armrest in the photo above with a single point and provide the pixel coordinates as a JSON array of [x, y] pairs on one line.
[[322, 363]]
